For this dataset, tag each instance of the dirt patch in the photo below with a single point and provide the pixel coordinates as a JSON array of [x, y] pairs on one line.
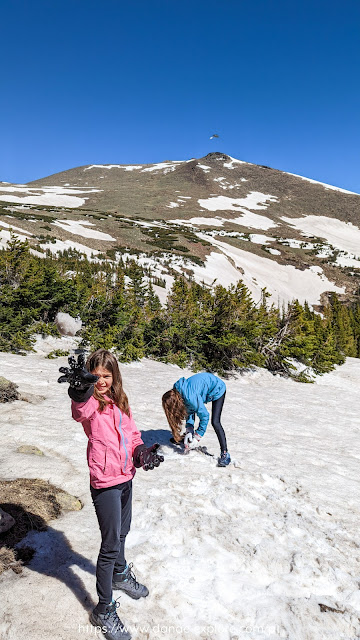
[[32, 503], [8, 390]]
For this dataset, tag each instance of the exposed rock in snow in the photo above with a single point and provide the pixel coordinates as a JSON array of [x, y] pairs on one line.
[[66, 324]]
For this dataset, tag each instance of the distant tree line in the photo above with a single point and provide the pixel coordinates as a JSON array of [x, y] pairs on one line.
[[214, 329]]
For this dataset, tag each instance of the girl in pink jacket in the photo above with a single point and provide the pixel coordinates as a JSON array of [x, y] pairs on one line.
[[114, 449]]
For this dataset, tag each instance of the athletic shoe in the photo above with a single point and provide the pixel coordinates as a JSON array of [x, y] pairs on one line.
[[224, 459], [126, 581], [110, 623]]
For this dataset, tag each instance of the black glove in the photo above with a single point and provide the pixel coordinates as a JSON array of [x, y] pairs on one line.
[[147, 457], [79, 378]]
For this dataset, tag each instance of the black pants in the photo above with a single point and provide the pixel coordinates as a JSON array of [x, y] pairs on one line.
[[113, 510], [217, 406]]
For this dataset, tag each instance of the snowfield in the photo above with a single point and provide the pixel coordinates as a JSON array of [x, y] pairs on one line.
[[51, 196], [78, 227], [284, 283], [254, 200], [247, 552], [341, 235]]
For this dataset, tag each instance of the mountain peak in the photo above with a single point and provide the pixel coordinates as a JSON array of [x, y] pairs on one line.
[[216, 155]]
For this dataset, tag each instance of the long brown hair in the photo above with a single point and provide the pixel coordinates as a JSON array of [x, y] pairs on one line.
[[175, 412], [103, 358]]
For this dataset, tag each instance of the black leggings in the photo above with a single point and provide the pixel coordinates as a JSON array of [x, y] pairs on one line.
[[217, 406], [113, 510]]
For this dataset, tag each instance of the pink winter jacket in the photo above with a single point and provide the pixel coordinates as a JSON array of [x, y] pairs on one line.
[[113, 437]]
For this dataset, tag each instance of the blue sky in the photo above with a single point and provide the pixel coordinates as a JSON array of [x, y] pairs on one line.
[[141, 81]]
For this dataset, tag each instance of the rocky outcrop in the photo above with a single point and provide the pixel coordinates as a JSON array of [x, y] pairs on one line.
[[6, 521], [8, 390]]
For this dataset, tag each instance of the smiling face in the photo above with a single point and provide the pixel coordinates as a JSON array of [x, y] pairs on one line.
[[105, 381]]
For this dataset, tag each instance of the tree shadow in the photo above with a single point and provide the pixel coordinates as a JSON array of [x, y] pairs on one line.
[[46, 551]]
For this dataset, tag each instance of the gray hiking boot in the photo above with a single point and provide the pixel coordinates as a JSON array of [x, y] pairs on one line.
[[224, 459], [110, 623], [126, 581]]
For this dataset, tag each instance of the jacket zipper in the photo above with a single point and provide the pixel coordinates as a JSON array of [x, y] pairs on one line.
[[122, 439]]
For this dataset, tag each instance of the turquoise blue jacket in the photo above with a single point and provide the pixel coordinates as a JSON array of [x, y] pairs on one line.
[[196, 391]]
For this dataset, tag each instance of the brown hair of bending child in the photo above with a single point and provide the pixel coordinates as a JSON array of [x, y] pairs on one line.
[[175, 412], [105, 359]]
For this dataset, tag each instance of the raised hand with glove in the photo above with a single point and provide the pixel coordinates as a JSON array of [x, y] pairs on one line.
[[147, 457], [80, 380]]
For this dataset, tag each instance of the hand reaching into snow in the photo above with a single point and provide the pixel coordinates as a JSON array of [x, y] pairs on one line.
[[191, 440], [77, 375]]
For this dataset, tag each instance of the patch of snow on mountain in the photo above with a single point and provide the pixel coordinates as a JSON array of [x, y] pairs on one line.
[[11, 226], [163, 166], [143, 223], [211, 222], [172, 205], [224, 184], [296, 244], [129, 167], [78, 227], [233, 162], [347, 261], [323, 184], [253, 220], [283, 282], [63, 245], [53, 196], [5, 236], [254, 200], [342, 235], [217, 270], [274, 252], [205, 168], [258, 238]]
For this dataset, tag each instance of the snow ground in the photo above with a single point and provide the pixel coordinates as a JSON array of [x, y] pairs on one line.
[[254, 200], [342, 235], [233, 162], [246, 552], [78, 227], [63, 245], [52, 196], [283, 282], [165, 167], [130, 167]]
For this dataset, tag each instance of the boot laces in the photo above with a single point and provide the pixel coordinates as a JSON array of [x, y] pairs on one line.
[[113, 617], [132, 577]]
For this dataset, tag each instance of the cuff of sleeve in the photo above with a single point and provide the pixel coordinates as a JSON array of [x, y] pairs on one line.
[[137, 457], [81, 396]]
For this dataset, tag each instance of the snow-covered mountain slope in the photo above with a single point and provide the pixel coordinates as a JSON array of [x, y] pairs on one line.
[[266, 548], [218, 217]]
